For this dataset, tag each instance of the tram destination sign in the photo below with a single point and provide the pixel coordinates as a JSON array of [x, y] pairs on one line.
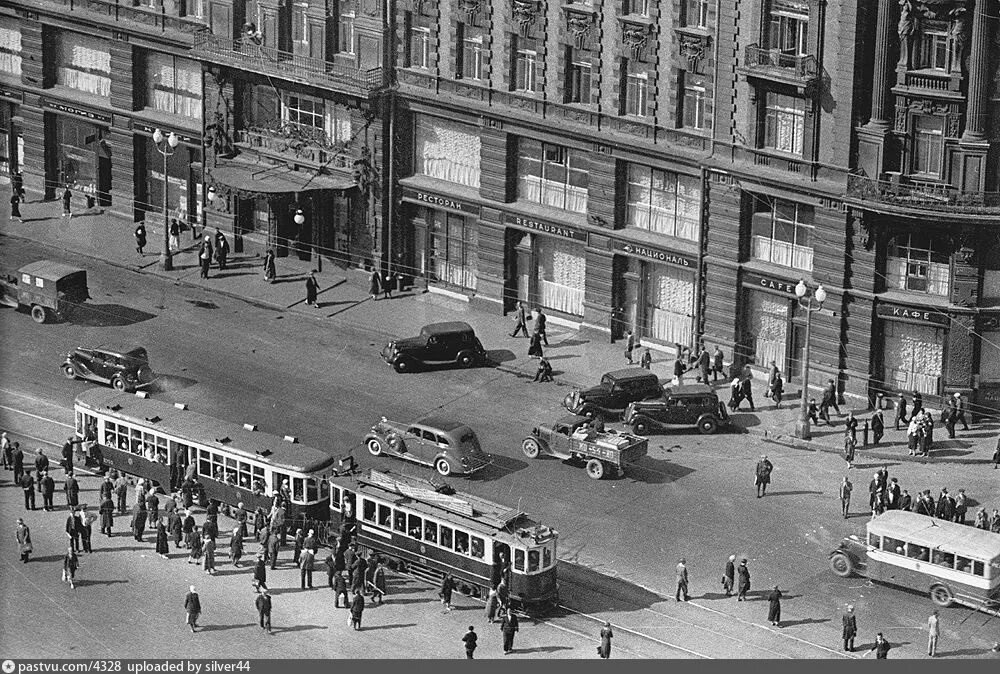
[[545, 227], [902, 312], [655, 254]]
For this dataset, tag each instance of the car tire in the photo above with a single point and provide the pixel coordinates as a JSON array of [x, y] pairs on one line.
[[68, 371], [531, 448], [403, 365], [118, 383], [466, 359], [443, 467], [374, 446], [708, 425], [841, 564], [641, 426], [39, 314], [942, 596], [595, 469]]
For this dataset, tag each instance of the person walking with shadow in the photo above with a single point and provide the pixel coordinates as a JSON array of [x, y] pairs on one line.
[[15, 207], [140, 238], [269, 273], [470, 640], [205, 256], [535, 346], [192, 609], [263, 603], [544, 372], [845, 496], [509, 627], [881, 647], [763, 475], [539, 328], [67, 199], [606, 635], [387, 286], [629, 345], [520, 321], [374, 285], [312, 289], [221, 249], [744, 585], [23, 534], [447, 586], [175, 235], [774, 607], [850, 629], [357, 609]]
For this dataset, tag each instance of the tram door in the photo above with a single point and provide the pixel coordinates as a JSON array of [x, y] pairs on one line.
[[501, 564]]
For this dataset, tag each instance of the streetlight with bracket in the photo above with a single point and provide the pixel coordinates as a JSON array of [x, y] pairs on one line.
[[809, 304], [166, 146]]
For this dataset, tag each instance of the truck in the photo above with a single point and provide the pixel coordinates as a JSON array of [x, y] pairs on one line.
[[578, 438], [48, 290]]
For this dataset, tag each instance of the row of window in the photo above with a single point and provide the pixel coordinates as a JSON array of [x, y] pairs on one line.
[[922, 553]]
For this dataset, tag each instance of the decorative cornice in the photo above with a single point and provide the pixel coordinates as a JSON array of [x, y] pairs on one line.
[[524, 13], [693, 48], [579, 25], [635, 37]]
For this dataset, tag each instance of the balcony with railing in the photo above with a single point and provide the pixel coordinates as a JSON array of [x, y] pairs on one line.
[[801, 71], [907, 195], [304, 143], [246, 54], [124, 12]]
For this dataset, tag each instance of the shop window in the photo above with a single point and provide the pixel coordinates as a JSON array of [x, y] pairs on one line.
[[920, 263], [10, 51], [913, 357], [782, 233], [454, 248], [694, 102], [578, 76], [784, 123], [767, 328], [527, 75], [552, 175], [447, 150], [667, 301], [173, 85], [928, 145], [696, 13], [561, 271], [663, 202], [472, 53], [82, 63], [419, 48], [788, 27]]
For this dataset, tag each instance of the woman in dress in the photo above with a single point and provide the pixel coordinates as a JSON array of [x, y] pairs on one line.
[[195, 544], [162, 544]]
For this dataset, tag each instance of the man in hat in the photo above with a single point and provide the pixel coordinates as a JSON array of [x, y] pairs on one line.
[[845, 496], [264, 610], [960, 411], [763, 475], [850, 629], [192, 606], [744, 585]]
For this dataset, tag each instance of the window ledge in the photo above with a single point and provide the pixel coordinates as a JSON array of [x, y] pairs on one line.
[[694, 31], [638, 20]]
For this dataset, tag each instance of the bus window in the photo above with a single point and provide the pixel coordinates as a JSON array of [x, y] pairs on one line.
[[368, 510], [415, 527], [546, 557], [430, 532], [945, 559], [963, 564], [335, 497], [461, 542], [978, 569], [384, 516], [875, 541], [518, 560], [478, 547], [445, 537], [914, 551], [893, 545], [399, 521]]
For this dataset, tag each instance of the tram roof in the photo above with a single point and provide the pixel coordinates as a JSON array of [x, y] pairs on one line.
[[205, 430], [937, 534]]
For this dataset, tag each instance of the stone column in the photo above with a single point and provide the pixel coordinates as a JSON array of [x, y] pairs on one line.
[[975, 116], [880, 85]]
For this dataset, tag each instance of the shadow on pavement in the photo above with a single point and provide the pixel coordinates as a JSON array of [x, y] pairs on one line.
[[593, 592], [169, 382], [107, 316], [804, 621], [301, 628], [499, 356], [220, 628], [499, 467], [393, 626], [658, 471]]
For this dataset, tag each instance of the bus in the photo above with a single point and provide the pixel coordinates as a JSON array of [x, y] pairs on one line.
[[954, 563], [234, 463], [430, 530]]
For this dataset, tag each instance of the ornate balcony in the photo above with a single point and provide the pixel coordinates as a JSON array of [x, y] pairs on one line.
[[245, 54], [122, 11], [305, 143], [905, 195], [771, 64]]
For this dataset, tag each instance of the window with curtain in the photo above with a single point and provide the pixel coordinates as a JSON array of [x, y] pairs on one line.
[[914, 357], [527, 66], [696, 13], [473, 54], [782, 233], [561, 271], [919, 262], [322, 121], [694, 103], [420, 41], [446, 150], [83, 63], [173, 85], [10, 51], [668, 302], [454, 245], [935, 48], [784, 123], [552, 175], [663, 202], [636, 92], [345, 32]]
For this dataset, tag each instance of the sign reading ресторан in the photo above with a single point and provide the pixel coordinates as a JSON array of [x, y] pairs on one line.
[[769, 283], [431, 199], [654, 254], [555, 229], [914, 314]]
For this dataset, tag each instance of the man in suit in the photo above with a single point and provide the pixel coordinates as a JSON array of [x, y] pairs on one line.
[[520, 321], [27, 483], [539, 328], [72, 489], [264, 610], [72, 530], [192, 606]]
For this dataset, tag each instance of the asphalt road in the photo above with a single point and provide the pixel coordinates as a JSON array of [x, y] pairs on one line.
[[323, 381]]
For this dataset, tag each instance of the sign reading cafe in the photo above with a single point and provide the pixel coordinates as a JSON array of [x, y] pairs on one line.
[[772, 284]]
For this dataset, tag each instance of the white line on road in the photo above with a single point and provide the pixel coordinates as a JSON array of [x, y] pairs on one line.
[[35, 416], [639, 634]]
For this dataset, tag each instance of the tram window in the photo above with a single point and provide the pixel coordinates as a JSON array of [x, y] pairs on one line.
[[446, 537], [518, 560], [478, 548], [205, 463], [348, 505], [298, 489], [875, 541], [415, 527], [335, 497], [136, 435], [430, 531], [312, 490], [945, 559], [546, 557], [914, 551], [533, 558], [384, 516], [461, 542], [244, 475], [399, 521], [893, 545], [277, 479], [368, 510], [258, 479]]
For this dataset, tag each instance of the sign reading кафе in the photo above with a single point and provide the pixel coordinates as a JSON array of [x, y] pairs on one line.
[[902, 312]]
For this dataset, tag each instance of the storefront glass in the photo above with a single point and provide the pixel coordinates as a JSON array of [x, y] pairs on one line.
[[562, 267], [767, 329], [178, 179], [446, 150], [913, 356], [83, 63], [454, 246], [76, 149], [667, 301]]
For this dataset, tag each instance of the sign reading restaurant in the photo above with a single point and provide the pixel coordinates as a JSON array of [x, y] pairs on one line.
[[410, 194], [769, 283], [654, 254], [545, 227], [901, 312]]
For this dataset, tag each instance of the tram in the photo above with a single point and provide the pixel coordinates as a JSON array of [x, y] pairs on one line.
[[432, 530], [234, 463]]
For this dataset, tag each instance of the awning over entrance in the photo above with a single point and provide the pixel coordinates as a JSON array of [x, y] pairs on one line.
[[262, 180]]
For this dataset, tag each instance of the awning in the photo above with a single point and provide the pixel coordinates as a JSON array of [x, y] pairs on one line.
[[262, 180]]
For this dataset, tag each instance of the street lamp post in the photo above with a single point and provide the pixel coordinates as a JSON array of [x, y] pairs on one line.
[[166, 146], [809, 304]]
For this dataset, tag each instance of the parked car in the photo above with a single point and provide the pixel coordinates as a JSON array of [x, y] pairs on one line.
[[616, 390], [576, 438], [690, 405], [126, 368], [453, 342], [448, 446], [47, 289]]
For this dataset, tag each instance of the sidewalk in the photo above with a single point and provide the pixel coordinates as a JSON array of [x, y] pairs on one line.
[[577, 359]]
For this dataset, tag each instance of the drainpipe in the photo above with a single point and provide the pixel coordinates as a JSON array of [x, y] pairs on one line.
[[389, 62], [699, 265]]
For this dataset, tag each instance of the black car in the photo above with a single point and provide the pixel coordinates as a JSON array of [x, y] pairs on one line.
[[452, 342], [616, 390], [126, 368], [691, 405]]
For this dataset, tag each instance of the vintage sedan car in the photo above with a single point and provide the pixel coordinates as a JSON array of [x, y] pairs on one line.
[[614, 392], [437, 343], [448, 446], [578, 438], [126, 368], [689, 405]]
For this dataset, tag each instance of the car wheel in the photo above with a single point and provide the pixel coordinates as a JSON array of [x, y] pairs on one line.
[[941, 596], [39, 314], [374, 446], [530, 448], [118, 383], [641, 426], [595, 469], [708, 425], [466, 359], [403, 365], [69, 371], [443, 467], [841, 564]]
